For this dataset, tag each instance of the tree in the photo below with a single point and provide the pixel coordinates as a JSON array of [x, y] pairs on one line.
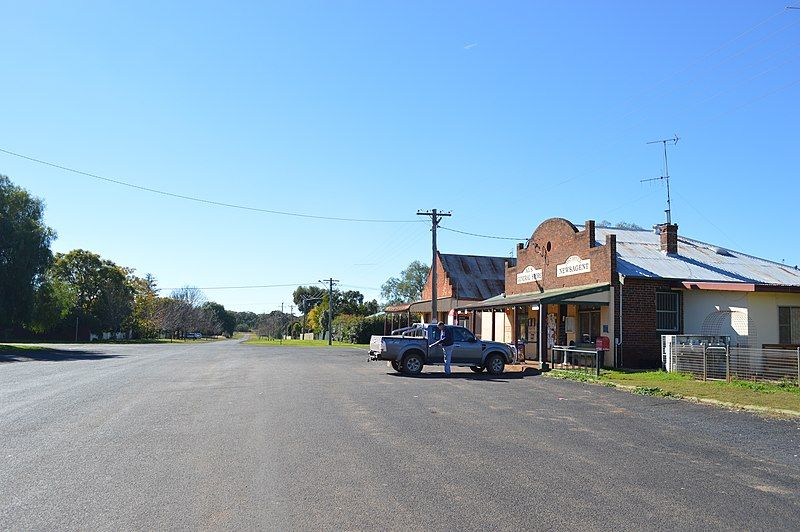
[[274, 324], [225, 321], [245, 321], [620, 225], [53, 302], [307, 297], [190, 294], [143, 320], [315, 320], [103, 292], [24, 251], [408, 286]]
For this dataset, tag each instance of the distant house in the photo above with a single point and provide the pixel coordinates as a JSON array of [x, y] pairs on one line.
[[461, 279], [572, 284]]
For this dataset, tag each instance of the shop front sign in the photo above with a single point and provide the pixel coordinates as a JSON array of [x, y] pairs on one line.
[[573, 266], [529, 275]]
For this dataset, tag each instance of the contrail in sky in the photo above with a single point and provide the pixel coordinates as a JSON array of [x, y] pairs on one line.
[[470, 45]]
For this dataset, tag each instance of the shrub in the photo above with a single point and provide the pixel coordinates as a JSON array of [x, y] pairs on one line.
[[356, 329]]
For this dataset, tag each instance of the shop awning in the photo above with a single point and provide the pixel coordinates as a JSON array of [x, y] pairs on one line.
[[588, 294], [397, 309], [444, 304]]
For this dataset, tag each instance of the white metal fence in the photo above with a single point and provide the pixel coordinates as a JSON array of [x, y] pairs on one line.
[[722, 362], [568, 357]]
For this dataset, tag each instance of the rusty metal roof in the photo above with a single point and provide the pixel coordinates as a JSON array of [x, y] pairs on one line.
[[639, 255], [474, 276]]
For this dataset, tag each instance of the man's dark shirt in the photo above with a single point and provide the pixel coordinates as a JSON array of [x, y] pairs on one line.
[[447, 337]]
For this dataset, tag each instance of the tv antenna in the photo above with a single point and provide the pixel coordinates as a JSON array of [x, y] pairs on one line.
[[665, 177]]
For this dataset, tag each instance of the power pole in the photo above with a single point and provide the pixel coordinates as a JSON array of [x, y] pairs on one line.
[[330, 307], [436, 217], [281, 327]]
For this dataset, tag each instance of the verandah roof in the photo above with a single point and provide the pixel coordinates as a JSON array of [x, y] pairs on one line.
[[554, 295]]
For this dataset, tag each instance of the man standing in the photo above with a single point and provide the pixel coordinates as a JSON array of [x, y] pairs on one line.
[[446, 341]]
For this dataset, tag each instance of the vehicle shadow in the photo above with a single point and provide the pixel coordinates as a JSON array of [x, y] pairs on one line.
[[19, 354], [470, 376]]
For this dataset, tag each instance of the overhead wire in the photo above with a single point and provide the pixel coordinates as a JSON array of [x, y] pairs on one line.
[[369, 220], [240, 287], [495, 237], [198, 199]]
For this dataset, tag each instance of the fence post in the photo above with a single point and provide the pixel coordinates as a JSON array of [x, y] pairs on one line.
[[597, 362], [798, 366], [727, 363], [705, 364]]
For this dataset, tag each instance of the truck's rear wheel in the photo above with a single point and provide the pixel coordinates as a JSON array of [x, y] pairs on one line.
[[395, 365], [412, 364], [476, 369], [495, 364]]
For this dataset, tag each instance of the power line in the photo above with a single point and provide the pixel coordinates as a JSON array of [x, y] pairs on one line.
[[241, 287], [482, 236], [196, 199]]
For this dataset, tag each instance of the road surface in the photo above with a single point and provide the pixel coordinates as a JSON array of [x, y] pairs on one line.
[[230, 436]]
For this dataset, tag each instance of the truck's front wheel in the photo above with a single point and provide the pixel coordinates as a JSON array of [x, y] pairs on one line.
[[495, 364], [412, 364]]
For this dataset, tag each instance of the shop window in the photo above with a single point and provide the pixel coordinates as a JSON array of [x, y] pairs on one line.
[[588, 326], [667, 310], [789, 325]]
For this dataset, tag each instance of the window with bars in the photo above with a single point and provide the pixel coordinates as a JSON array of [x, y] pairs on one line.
[[667, 310], [789, 325]]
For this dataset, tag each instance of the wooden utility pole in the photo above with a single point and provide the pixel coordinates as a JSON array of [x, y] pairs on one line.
[[330, 282], [436, 217]]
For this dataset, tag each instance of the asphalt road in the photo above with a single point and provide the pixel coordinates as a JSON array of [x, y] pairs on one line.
[[231, 436]]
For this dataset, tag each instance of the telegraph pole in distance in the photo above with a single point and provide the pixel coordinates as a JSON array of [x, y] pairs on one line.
[[436, 217], [330, 307]]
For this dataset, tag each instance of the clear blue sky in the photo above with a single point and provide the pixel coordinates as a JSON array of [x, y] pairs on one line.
[[505, 113]]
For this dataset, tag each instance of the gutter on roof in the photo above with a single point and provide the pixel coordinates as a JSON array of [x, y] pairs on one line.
[[738, 287]]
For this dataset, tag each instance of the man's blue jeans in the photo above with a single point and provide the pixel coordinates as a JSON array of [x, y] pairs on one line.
[[448, 356]]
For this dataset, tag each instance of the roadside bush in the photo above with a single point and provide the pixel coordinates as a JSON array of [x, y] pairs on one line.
[[356, 329]]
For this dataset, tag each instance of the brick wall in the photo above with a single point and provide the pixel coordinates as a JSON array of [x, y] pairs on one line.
[[552, 243], [444, 287], [641, 342]]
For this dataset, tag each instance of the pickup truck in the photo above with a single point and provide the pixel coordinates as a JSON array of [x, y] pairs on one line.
[[409, 350]]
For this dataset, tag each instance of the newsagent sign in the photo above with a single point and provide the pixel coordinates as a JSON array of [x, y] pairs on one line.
[[529, 275], [573, 266]]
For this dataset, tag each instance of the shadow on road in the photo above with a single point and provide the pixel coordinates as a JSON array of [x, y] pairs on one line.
[[503, 377], [18, 354]]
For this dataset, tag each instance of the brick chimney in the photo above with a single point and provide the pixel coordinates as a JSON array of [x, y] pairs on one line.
[[589, 228], [669, 237]]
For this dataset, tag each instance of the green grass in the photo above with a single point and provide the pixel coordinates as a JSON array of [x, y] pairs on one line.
[[783, 396], [8, 349], [303, 343]]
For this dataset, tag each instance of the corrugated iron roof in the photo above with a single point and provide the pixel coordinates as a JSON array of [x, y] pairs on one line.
[[474, 276], [639, 255], [546, 296]]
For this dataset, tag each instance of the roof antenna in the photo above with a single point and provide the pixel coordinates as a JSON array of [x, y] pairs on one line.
[[665, 177]]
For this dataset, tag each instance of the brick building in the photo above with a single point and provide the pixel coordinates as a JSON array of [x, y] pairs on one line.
[[461, 279], [572, 284]]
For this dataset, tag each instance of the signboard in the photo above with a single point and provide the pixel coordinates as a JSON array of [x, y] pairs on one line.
[[573, 266], [529, 275]]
